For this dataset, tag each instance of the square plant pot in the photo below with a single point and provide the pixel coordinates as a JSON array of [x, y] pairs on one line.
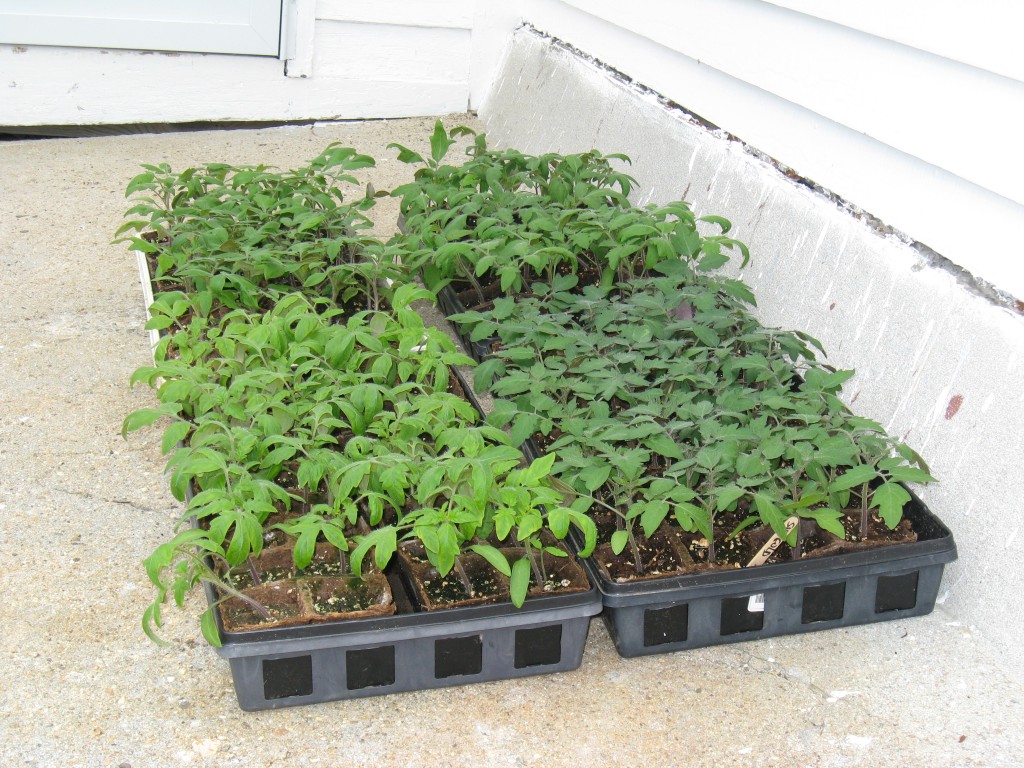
[[676, 613], [471, 582], [409, 650]]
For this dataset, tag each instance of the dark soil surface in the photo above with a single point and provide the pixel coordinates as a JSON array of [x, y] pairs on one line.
[[450, 590], [665, 553], [879, 535], [344, 595], [282, 601], [660, 555]]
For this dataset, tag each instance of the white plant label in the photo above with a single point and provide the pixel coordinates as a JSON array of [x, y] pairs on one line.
[[773, 544], [755, 604]]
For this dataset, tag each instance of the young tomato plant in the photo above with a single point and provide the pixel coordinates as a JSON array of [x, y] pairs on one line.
[[666, 416]]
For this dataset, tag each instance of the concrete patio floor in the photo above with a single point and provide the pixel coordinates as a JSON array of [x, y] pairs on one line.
[[80, 685]]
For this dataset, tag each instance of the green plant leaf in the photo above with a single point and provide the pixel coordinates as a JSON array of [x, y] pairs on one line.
[[142, 418], [723, 223], [208, 624], [305, 547], [739, 290], [439, 142], [558, 521], [519, 582], [159, 323], [653, 516], [383, 539], [529, 523], [278, 456], [751, 465], [890, 498], [705, 335], [727, 495], [618, 541], [140, 182], [712, 261], [771, 514], [385, 546], [494, 557], [173, 435], [906, 474], [406, 155], [588, 528], [828, 519], [447, 547], [539, 468], [854, 476], [595, 475], [664, 445], [151, 621], [483, 374]]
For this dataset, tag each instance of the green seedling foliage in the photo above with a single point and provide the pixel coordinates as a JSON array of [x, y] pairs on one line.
[[294, 376], [723, 411], [290, 348]]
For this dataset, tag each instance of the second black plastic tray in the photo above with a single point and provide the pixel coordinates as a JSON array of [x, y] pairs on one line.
[[711, 608]]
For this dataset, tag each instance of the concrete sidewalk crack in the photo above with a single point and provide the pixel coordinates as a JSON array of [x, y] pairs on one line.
[[91, 497]]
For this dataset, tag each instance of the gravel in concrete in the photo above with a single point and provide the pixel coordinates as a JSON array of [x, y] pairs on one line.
[[80, 685]]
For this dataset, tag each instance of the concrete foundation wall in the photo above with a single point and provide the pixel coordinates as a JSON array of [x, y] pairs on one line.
[[937, 363]]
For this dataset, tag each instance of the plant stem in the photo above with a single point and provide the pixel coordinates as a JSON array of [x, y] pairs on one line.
[[462, 575], [246, 599], [224, 584], [864, 511], [252, 572], [538, 570], [476, 285], [636, 552]]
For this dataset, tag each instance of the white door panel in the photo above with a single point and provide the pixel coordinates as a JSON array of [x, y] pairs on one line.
[[250, 27]]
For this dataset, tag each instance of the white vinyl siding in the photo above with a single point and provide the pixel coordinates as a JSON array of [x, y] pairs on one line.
[[983, 34], [910, 111]]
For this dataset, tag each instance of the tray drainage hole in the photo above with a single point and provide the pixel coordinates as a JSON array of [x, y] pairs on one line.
[[823, 602], [896, 593], [538, 646], [370, 667], [666, 625], [456, 656], [284, 678], [737, 616]]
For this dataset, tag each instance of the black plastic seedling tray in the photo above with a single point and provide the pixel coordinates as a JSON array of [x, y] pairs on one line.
[[408, 651], [712, 608], [450, 305], [693, 611]]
